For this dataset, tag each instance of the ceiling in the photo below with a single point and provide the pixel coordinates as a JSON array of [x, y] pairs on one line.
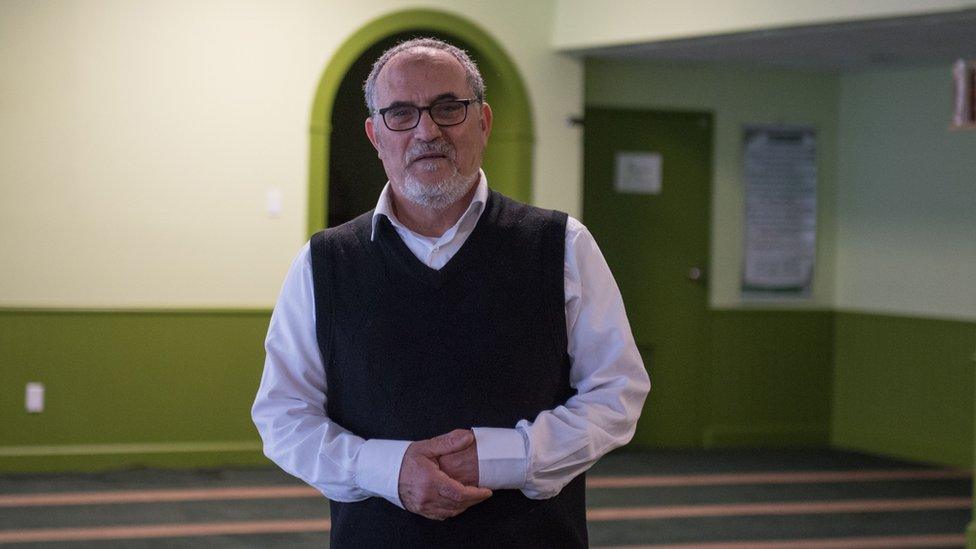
[[849, 46]]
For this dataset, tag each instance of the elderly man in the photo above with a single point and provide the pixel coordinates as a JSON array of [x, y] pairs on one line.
[[445, 367]]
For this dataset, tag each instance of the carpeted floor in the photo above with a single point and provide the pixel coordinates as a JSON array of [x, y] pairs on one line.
[[708, 499]]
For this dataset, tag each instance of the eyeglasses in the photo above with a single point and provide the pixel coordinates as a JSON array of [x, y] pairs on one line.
[[401, 118]]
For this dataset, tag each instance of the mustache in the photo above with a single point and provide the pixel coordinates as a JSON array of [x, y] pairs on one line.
[[434, 147]]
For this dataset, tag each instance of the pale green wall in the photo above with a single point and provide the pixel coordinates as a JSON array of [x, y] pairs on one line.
[[582, 24], [897, 190], [139, 139], [737, 96], [906, 204]]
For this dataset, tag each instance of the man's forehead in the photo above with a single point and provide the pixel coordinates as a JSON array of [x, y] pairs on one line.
[[407, 70], [423, 55]]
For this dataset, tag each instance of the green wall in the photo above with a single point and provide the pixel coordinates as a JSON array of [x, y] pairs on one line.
[[771, 378], [130, 388], [904, 387], [174, 388]]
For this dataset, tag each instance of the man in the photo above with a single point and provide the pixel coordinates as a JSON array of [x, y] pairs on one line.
[[445, 367]]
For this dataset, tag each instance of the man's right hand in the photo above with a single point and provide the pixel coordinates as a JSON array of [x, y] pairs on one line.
[[428, 491]]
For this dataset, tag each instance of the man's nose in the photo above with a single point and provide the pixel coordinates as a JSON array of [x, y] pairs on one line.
[[427, 129]]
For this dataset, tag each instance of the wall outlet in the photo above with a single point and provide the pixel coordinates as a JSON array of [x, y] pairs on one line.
[[34, 399]]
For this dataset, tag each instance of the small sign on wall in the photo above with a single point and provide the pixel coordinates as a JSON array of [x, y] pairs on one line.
[[638, 172]]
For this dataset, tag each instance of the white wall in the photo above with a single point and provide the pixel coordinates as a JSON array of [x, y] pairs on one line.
[[582, 24], [906, 214], [138, 140]]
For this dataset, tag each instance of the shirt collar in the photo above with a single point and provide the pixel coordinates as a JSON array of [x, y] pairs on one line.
[[384, 206]]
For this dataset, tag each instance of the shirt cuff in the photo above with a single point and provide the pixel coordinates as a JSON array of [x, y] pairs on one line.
[[502, 461], [378, 468]]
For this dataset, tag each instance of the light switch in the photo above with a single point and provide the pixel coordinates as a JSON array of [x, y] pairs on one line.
[[34, 399], [273, 200]]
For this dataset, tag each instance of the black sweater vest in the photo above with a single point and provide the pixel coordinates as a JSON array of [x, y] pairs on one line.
[[412, 352]]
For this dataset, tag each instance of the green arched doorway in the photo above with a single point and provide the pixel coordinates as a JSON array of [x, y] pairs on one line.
[[508, 158]]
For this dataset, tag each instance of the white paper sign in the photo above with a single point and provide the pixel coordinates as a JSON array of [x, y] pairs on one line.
[[638, 172], [781, 208]]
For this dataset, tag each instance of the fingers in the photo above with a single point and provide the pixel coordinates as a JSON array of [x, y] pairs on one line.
[[450, 498], [454, 491], [445, 508], [448, 443], [448, 510]]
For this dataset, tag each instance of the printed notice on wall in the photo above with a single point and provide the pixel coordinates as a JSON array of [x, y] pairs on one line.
[[780, 175], [638, 172]]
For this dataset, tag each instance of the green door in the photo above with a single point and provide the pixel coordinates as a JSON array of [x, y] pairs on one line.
[[656, 242]]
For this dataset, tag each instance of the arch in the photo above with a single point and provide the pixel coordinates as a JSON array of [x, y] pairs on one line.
[[508, 158]]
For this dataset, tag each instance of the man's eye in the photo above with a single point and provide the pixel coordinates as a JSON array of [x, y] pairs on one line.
[[401, 112], [448, 108]]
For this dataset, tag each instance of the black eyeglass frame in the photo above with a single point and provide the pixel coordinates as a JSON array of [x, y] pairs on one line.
[[420, 113]]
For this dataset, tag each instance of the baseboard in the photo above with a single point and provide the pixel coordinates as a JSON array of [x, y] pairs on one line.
[[100, 457]]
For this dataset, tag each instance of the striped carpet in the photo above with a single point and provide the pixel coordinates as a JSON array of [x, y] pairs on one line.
[[662, 499]]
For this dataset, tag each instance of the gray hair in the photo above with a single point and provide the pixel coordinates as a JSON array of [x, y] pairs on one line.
[[473, 76]]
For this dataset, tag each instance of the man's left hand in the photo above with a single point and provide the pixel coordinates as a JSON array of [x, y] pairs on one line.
[[462, 466]]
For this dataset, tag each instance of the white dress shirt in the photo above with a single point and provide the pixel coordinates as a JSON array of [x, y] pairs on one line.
[[538, 455]]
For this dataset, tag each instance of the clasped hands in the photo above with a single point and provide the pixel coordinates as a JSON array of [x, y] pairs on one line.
[[439, 476]]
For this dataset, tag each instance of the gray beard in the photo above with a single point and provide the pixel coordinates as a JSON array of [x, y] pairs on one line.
[[439, 194]]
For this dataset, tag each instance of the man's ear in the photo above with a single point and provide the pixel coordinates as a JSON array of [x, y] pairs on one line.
[[371, 134], [486, 120]]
